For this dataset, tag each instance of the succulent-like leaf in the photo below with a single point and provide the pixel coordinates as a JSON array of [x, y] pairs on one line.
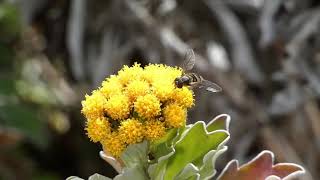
[[162, 146], [187, 153], [133, 173], [207, 170], [261, 168], [190, 171], [74, 178], [135, 158], [97, 176], [221, 121], [115, 163], [136, 155]]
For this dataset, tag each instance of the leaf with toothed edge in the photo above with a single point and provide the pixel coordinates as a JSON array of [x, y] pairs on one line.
[[162, 146], [206, 170], [189, 151], [135, 158], [261, 167]]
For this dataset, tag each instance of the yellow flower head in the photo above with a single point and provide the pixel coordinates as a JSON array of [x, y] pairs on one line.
[[111, 87], [92, 106], [174, 115], [127, 74], [147, 106], [163, 90], [137, 88], [154, 73], [98, 129], [154, 130], [131, 131], [128, 106], [184, 97], [113, 145], [118, 107]]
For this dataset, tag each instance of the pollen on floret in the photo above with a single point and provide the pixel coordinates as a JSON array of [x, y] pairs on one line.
[[118, 107], [163, 90], [127, 74], [154, 130], [174, 115], [111, 86], [151, 72], [172, 73], [93, 106], [147, 106], [98, 129], [137, 88], [131, 131], [160, 72], [113, 145], [183, 96]]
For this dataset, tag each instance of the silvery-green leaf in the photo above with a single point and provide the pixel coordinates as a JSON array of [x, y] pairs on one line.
[[136, 172], [135, 158], [97, 176], [136, 155], [190, 171], [190, 148], [207, 170], [74, 178]]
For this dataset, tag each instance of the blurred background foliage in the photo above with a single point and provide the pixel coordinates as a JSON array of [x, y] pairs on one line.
[[265, 55]]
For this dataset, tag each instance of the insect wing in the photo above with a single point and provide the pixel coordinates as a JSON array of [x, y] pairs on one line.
[[210, 86], [189, 60]]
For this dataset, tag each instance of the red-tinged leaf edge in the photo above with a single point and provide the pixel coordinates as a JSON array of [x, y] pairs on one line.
[[261, 168]]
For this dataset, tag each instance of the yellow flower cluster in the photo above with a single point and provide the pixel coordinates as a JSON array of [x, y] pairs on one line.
[[136, 104]]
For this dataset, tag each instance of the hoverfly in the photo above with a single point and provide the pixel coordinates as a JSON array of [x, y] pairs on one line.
[[192, 79]]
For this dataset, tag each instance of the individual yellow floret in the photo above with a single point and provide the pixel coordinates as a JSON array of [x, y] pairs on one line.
[[98, 129], [156, 72], [154, 130], [93, 106], [118, 107], [111, 87], [163, 90], [137, 88], [150, 72], [172, 73], [147, 106], [113, 145], [174, 115], [131, 131], [127, 74], [183, 96]]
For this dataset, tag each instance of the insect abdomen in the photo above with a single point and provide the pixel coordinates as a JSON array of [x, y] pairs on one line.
[[194, 78]]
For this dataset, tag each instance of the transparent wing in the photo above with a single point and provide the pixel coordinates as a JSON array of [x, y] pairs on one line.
[[210, 86], [189, 60]]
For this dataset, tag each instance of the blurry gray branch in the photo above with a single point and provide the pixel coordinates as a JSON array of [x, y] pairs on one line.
[[267, 23], [109, 56], [241, 50], [75, 33]]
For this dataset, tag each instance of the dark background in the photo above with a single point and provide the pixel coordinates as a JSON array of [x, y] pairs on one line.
[[264, 54]]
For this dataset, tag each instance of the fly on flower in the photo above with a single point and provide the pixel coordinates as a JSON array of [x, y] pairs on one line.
[[192, 79]]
